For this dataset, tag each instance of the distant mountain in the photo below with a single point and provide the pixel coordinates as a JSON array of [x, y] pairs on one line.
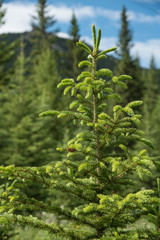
[[59, 44]]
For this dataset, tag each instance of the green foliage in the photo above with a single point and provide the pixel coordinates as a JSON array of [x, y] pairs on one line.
[[32, 233], [152, 88], [49, 133], [27, 139], [6, 232], [151, 96], [6, 62], [150, 122], [6, 53], [127, 65], [73, 55], [96, 168], [40, 25]]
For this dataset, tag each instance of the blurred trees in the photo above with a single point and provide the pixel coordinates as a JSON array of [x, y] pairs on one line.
[[126, 64], [73, 54], [42, 22]]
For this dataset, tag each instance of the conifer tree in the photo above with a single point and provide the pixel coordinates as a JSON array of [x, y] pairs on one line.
[[6, 53], [151, 121], [44, 74], [29, 140], [126, 64], [17, 108], [6, 70], [46, 78], [152, 129], [42, 22], [151, 86], [97, 166], [70, 61], [74, 55], [138, 70], [151, 94]]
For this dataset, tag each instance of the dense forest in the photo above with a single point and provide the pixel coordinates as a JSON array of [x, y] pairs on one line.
[[92, 171]]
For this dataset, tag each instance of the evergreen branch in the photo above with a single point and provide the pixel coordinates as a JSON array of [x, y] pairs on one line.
[[86, 153], [84, 46], [81, 182], [74, 115], [106, 51], [125, 171], [79, 195], [36, 223], [111, 130], [29, 178], [33, 204]]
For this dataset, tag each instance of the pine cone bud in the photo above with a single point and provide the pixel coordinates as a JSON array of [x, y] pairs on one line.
[[71, 149]]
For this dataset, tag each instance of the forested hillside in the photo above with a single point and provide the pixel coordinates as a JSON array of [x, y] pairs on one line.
[[60, 44], [92, 171]]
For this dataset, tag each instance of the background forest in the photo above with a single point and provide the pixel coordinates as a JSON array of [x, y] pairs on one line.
[[31, 66]]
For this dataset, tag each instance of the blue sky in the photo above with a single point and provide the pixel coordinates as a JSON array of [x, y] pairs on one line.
[[144, 17]]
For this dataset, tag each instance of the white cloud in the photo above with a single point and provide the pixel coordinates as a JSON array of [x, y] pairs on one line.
[[132, 16], [63, 13], [146, 49], [82, 12], [143, 18], [107, 13], [18, 17], [63, 35]]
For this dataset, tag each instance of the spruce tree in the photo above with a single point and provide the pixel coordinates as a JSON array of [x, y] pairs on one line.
[[70, 62], [150, 121], [153, 125], [46, 78], [97, 166], [44, 75], [7, 53], [29, 140], [17, 109], [74, 55], [6, 57], [126, 64], [41, 23], [151, 95], [151, 86]]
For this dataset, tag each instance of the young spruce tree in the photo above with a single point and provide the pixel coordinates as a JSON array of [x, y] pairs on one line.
[[97, 166]]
